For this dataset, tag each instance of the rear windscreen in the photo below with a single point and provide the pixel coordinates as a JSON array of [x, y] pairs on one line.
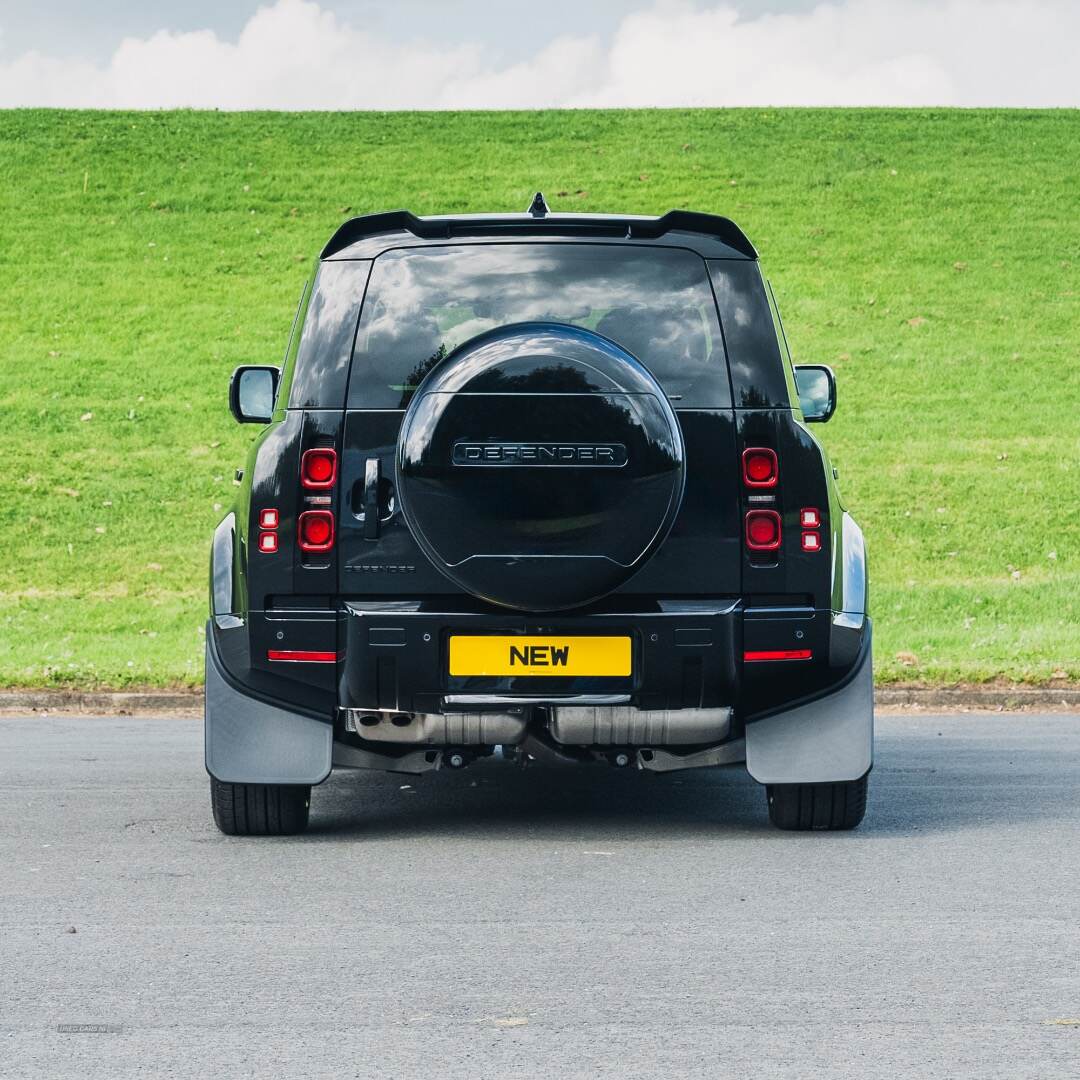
[[422, 303]]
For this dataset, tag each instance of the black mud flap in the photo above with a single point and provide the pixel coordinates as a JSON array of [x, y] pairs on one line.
[[251, 742]]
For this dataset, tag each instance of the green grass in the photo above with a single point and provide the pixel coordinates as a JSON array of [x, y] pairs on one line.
[[932, 257]]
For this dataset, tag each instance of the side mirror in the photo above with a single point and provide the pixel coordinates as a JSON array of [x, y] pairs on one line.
[[816, 384], [252, 390]]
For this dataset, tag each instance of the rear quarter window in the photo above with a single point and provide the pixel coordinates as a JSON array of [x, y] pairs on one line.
[[316, 380], [781, 337], [422, 303], [753, 352]]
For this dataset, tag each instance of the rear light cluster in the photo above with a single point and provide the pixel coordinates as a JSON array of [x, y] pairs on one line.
[[269, 519], [762, 530], [316, 529], [318, 469], [761, 470], [810, 522]]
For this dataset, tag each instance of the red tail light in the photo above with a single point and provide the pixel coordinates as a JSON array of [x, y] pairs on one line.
[[301, 656], [762, 530], [268, 542], [760, 468], [318, 468], [316, 529], [777, 654]]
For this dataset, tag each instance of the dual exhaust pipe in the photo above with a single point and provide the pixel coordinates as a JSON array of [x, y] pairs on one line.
[[571, 725]]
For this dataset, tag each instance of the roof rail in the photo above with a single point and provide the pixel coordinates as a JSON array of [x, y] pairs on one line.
[[630, 227]]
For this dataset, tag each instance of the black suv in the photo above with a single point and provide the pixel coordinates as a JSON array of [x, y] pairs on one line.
[[538, 485]]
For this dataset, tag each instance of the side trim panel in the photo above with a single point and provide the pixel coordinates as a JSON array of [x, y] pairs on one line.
[[250, 742], [850, 561], [827, 740], [221, 566]]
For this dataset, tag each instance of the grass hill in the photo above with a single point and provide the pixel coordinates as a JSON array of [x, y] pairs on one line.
[[932, 257]]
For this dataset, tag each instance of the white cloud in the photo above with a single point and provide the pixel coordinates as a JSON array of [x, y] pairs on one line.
[[299, 55]]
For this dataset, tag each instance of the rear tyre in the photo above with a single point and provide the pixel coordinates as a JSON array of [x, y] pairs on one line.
[[802, 807], [260, 809]]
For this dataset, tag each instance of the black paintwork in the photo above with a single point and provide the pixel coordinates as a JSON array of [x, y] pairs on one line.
[[707, 234], [654, 534]]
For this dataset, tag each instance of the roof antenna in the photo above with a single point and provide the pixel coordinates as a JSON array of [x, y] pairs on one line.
[[538, 208]]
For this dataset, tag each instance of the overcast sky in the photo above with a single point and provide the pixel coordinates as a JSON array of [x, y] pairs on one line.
[[392, 54]]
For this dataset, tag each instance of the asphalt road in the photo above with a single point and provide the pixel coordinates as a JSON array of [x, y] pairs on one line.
[[494, 923]]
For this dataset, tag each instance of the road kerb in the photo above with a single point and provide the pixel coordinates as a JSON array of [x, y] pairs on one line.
[[190, 703]]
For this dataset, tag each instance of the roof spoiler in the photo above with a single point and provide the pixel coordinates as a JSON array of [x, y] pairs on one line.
[[630, 228]]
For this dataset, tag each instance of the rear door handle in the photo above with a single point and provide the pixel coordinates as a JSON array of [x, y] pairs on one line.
[[372, 476]]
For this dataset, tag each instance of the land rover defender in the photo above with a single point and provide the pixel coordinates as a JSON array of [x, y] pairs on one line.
[[538, 485]]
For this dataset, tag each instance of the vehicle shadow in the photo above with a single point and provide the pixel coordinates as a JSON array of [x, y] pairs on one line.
[[922, 782], [496, 798]]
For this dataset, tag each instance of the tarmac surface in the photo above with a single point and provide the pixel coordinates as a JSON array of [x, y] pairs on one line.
[[498, 923]]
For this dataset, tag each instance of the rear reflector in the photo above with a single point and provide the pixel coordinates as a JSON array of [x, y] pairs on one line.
[[318, 468], [777, 654], [268, 519], [762, 530], [316, 530], [268, 542], [299, 656], [760, 468], [811, 541], [809, 518]]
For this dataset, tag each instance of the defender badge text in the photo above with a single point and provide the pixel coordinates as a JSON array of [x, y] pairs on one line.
[[608, 454]]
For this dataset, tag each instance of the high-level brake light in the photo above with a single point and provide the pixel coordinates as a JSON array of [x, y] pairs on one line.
[[760, 468], [762, 530], [318, 468], [316, 530]]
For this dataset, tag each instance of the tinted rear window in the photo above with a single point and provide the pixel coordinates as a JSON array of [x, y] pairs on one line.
[[422, 303], [757, 371]]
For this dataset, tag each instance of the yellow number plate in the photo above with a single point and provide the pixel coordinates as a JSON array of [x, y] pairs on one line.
[[491, 655]]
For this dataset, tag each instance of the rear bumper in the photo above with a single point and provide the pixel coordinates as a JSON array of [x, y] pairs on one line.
[[255, 738], [685, 655], [396, 657]]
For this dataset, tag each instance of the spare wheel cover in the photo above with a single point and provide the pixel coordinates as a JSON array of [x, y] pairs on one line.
[[539, 466]]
